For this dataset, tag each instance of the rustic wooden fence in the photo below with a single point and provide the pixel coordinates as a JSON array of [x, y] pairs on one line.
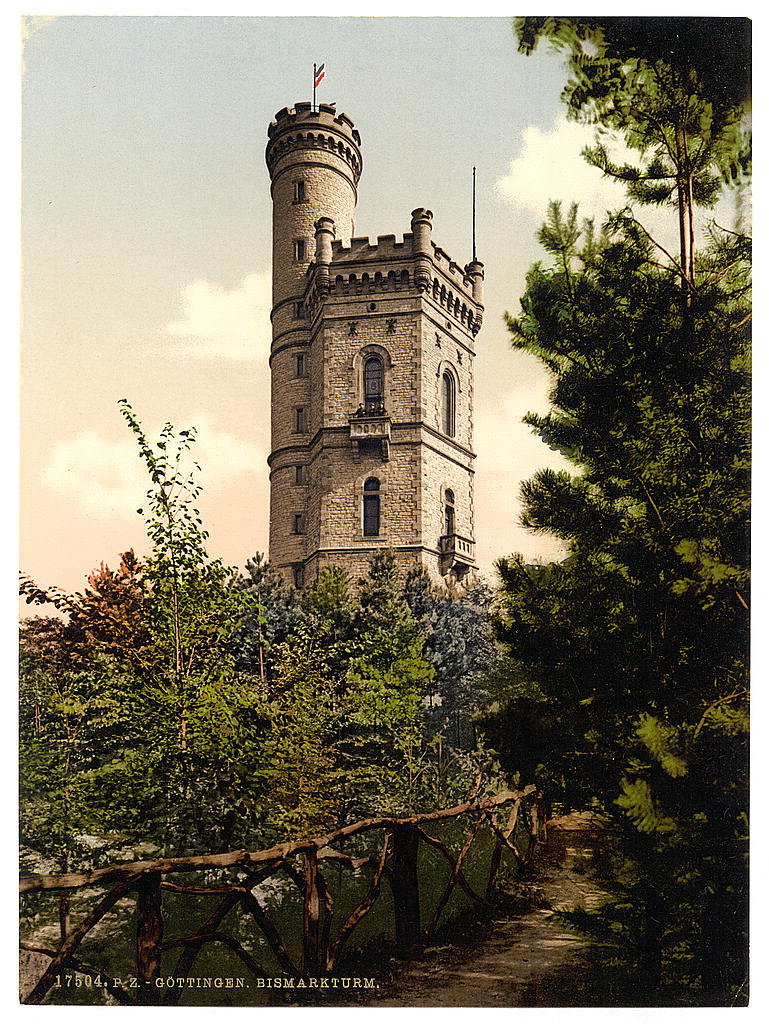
[[300, 862]]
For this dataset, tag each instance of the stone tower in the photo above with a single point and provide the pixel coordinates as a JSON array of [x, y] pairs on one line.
[[372, 371]]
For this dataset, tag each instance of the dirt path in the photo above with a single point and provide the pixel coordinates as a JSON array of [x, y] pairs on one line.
[[528, 960]]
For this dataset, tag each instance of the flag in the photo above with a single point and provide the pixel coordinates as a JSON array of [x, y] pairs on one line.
[[319, 75]]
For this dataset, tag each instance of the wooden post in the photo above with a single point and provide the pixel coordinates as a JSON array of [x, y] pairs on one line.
[[149, 936], [535, 822], [64, 918], [326, 915], [496, 860], [311, 958], [405, 889]]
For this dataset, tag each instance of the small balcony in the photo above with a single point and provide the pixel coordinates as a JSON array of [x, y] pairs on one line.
[[370, 430], [457, 553]]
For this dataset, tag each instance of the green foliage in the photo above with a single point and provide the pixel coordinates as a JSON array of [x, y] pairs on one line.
[[297, 757], [143, 677], [637, 803], [662, 742], [68, 721], [348, 734], [270, 616], [644, 625], [653, 86], [200, 710], [386, 681], [459, 646], [182, 708], [629, 658], [196, 605], [329, 599], [641, 76]]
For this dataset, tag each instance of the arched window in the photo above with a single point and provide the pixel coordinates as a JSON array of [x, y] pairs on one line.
[[373, 384], [371, 507], [449, 521], [448, 404]]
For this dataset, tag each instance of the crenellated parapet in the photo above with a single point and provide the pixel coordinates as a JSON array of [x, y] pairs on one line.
[[321, 129], [436, 261], [362, 249], [414, 264]]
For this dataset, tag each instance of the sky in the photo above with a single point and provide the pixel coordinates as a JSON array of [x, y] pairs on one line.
[[146, 234]]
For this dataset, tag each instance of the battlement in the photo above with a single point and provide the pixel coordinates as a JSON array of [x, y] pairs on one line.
[[362, 250], [301, 127], [362, 267], [303, 114], [451, 269]]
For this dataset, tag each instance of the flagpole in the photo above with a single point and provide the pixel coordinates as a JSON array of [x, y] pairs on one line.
[[314, 74]]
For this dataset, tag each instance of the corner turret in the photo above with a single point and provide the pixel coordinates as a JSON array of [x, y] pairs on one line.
[[474, 270], [422, 229], [324, 237]]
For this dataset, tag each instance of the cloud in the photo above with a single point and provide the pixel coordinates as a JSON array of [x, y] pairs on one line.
[[30, 24], [550, 166], [96, 475], [218, 323], [103, 477]]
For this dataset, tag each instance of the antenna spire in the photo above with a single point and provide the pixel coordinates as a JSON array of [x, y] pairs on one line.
[[473, 214]]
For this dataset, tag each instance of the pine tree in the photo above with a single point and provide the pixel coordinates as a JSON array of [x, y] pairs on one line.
[[461, 650], [637, 641], [387, 680], [271, 615], [297, 758]]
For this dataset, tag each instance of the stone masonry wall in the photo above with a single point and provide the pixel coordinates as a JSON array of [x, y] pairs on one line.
[[328, 190], [369, 305], [447, 462]]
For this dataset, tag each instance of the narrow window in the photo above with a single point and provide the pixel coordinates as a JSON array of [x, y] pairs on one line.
[[449, 521], [301, 364], [448, 404], [371, 507], [299, 196], [298, 576], [300, 424], [299, 250], [298, 474], [299, 522], [373, 385], [299, 311]]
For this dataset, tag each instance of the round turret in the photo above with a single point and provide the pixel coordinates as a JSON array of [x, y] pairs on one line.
[[314, 161], [322, 128]]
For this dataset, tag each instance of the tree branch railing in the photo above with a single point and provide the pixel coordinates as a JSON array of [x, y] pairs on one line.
[[323, 938]]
